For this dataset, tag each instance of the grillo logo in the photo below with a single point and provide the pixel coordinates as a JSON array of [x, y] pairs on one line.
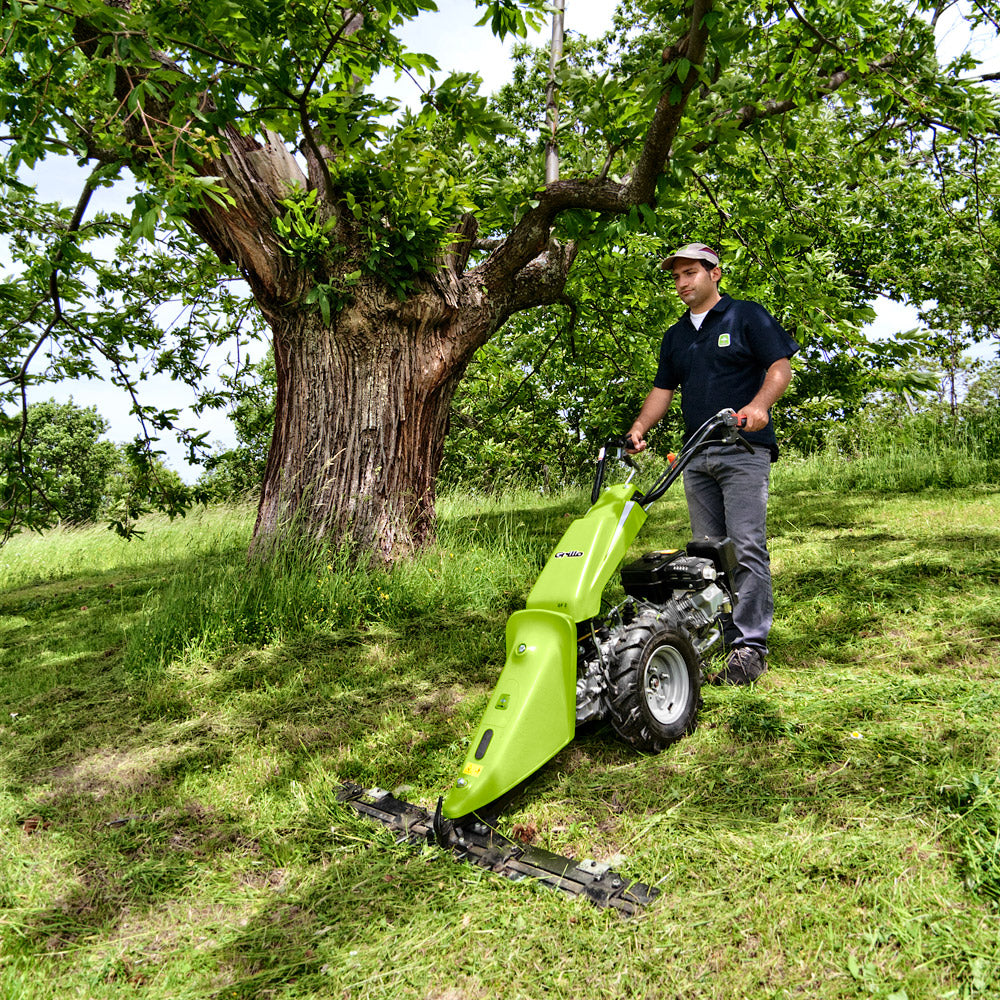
[[572, 554]]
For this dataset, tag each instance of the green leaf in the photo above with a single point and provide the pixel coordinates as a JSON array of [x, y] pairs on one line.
[[853, 967]]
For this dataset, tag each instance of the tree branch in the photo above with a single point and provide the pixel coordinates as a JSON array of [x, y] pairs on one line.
[[543, 280], [749, 113], [530, 236], [669, 112], [352, 24], [814, 31], [21, 379]]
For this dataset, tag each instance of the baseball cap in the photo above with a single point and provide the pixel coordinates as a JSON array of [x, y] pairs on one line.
[[691, 251]]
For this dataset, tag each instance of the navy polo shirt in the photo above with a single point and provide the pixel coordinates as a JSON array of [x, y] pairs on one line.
[[724, 363]]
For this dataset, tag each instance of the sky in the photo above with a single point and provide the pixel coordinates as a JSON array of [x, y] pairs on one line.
[[451, 36]]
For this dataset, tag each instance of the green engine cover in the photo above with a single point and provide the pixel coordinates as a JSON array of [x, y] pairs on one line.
[[531, 713], [593, 546]]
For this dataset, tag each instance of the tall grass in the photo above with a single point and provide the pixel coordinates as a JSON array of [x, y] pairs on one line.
[[223, 601], [884, 451]]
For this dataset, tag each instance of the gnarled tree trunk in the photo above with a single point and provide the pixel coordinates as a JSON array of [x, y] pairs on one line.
[[360, 423], [363, 400]]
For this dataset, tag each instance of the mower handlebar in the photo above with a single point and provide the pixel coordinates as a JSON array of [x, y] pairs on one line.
[[727, 421], [620, 447]]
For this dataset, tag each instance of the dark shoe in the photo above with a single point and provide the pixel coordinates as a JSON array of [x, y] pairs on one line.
[[744, 666]]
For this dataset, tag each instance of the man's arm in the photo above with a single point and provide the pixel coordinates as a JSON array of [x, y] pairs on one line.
[[775, 383], [653, 410]]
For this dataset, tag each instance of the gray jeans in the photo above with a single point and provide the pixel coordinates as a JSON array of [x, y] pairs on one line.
[[726, 489]]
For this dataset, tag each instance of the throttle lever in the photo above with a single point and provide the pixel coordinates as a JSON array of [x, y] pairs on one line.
[[741, 421]]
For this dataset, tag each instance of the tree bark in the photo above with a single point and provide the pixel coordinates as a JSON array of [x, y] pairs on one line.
[[359, 430]]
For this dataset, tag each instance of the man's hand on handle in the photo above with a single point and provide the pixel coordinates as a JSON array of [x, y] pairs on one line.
[[751, 418], [637, 440]]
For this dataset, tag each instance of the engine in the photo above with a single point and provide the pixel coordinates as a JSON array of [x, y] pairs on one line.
[[688, 588]]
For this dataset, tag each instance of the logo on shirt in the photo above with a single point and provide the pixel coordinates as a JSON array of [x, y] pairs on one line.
[[723, 340]]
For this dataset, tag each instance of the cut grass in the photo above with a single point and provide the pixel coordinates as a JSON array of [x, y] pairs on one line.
[[174, 726]]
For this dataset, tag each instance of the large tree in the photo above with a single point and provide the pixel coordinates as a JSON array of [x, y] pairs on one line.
[[384, 246]]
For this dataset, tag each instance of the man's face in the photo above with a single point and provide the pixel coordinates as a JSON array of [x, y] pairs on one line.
[[697, 287]]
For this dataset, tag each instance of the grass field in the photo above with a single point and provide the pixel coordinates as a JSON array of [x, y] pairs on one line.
[[174, 727]]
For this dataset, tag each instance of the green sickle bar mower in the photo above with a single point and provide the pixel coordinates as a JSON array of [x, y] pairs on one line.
[[639, 667]]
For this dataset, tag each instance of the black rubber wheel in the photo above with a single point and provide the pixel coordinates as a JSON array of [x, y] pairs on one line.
[[655, 686]]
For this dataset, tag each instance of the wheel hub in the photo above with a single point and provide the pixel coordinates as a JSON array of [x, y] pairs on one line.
[[666, 687]]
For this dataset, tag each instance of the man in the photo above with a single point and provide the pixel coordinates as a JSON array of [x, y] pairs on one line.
[[724, 352]]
